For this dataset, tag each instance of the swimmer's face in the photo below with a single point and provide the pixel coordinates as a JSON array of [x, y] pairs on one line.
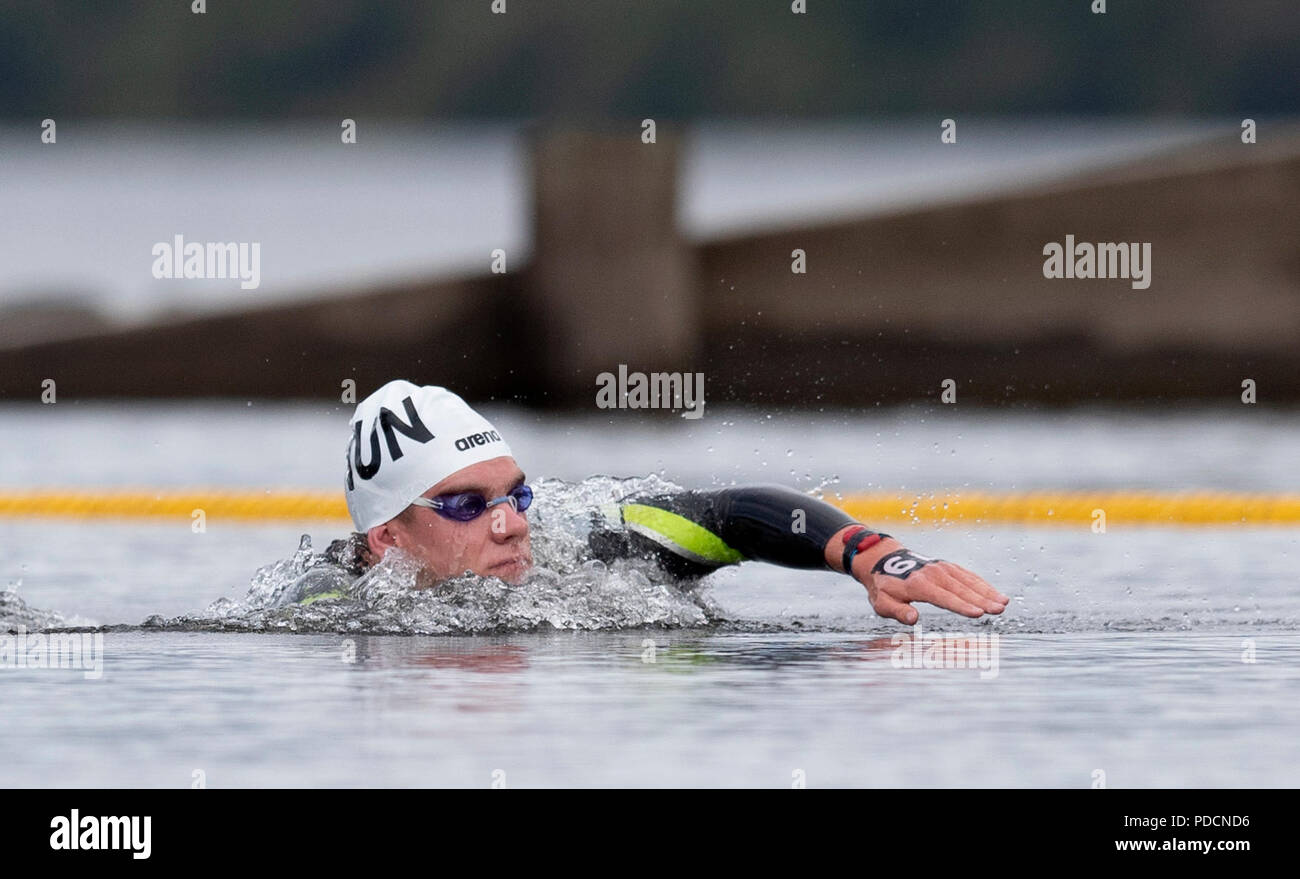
[[493, 545]]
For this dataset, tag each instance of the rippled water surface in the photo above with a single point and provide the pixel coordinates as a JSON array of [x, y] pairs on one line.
[[1157, 656]]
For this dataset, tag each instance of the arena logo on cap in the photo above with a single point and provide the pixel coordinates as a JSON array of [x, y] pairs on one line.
[[465, 443], [391, 425]]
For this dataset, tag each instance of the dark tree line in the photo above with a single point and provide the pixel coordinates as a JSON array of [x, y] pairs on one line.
[[675, 59]]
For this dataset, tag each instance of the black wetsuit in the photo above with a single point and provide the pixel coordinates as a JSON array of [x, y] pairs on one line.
[[688, 533]]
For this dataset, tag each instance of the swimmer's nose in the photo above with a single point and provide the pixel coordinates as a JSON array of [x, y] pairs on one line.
[[516, 525]]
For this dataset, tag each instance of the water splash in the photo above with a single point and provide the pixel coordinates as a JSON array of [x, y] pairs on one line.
[[566, 590], [15, 615]]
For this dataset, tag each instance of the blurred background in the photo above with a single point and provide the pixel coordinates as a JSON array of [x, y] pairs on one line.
[[501, 225]]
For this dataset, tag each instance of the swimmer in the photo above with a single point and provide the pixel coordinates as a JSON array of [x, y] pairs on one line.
[[428, 475]]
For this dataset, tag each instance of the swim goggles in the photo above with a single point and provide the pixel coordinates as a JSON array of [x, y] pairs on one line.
[[469, 506]]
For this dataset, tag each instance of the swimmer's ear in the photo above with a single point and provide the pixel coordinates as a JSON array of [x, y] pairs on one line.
[[380, 539]]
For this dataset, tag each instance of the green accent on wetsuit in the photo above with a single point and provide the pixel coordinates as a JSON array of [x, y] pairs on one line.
[[679, 534], [320, 596]]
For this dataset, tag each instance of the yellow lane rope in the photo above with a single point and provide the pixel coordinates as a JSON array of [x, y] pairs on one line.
[[1080, 508], [1036, 508], [144, 504]]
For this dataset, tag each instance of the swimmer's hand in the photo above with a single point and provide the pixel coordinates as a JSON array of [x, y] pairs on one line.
[[895, 577]]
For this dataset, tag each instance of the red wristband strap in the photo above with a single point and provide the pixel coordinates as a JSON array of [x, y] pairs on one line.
[[856, 541]]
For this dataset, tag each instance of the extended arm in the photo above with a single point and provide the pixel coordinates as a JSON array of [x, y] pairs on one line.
[[692, 533]]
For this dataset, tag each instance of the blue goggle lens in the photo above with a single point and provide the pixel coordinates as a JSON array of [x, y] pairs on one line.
[[467, 507]]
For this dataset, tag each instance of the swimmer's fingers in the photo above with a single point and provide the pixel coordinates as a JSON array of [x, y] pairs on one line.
[[932, 586], [959, 588], [975, 582], [892, 597], [885, 604], [890, 607], [966, 585]]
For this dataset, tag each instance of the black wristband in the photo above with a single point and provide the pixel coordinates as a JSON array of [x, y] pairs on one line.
[[851, 546]]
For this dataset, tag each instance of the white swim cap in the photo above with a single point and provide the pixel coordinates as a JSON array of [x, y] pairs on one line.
[[404, 440]]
